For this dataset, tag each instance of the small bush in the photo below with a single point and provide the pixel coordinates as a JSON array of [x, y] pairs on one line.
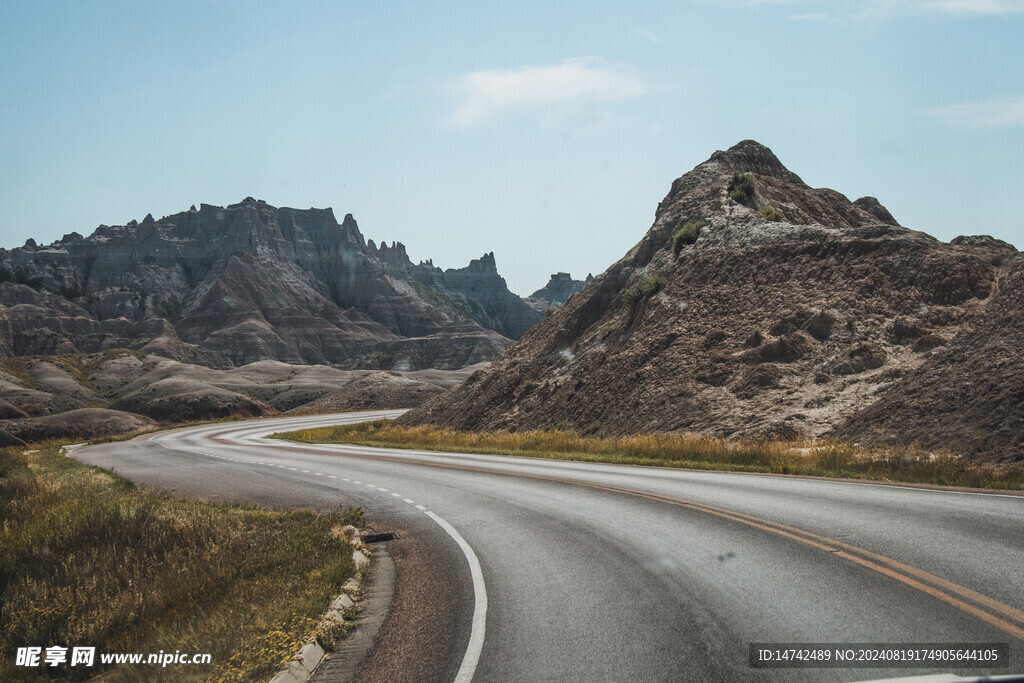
[[645, 287], [549, 311], [687, 234], [770, 213], [741, 187]]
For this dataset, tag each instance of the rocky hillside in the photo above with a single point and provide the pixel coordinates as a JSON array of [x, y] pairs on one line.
[[757, 305], [226, 286]]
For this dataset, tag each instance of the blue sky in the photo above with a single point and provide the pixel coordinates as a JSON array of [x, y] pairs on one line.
[[545, 132]]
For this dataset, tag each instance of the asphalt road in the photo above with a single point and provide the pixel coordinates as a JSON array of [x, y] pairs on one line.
[[515, 569]]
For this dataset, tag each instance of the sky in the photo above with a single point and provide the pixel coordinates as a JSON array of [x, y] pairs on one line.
[[544, 132]]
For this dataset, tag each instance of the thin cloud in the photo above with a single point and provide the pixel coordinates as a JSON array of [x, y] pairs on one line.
[[975, 7], [999, 112], [576, 86], [887, 9]]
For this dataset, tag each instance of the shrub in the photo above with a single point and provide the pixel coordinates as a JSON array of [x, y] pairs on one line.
[[770, 213], [645, 287], [549, 311], [687, 234], [741, 187]]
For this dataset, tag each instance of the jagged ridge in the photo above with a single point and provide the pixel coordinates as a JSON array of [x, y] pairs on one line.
[[231, 285]]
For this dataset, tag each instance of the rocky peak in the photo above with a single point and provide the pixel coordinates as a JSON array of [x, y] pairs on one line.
[[394, 256], [875, 208], [750, 156], [485, 265], [778, 200], [558, 290], [985, 242]]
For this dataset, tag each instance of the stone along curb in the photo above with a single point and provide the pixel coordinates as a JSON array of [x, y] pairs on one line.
[[305, 661]]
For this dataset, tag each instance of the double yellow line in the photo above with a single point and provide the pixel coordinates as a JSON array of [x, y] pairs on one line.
[[993, 612], [1003, 617]]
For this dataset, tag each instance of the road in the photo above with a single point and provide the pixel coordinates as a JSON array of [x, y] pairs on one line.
[[514, 569]]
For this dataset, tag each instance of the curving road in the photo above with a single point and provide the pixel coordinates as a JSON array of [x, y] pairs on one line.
[[527, 570]]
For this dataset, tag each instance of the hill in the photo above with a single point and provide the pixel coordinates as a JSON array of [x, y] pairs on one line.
[[756, 305]]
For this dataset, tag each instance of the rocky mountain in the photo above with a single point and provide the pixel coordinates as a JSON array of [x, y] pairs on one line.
[[756, 305], [226, 286], [557, 291]]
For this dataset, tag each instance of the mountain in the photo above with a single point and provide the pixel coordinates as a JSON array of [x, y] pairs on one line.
[[557, 291], [226, 286], [755, 306]]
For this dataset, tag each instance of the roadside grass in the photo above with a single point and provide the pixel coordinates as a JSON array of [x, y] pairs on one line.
[[88, 559], [907, 464]]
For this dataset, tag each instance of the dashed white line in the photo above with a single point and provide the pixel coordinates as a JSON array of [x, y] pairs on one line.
[[471, 658]]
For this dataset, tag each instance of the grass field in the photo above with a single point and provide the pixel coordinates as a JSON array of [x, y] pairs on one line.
[[88, 559], [898, 464]]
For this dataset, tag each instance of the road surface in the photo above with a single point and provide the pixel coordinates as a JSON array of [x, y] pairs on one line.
[[514, 569]]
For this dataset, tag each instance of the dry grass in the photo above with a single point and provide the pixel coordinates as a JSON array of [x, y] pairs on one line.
[[902, 464], [87, 559]]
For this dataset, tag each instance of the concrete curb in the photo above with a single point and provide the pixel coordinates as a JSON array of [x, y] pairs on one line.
[[309, 656]]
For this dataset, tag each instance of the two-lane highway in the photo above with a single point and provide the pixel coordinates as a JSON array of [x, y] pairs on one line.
[[515, 569]]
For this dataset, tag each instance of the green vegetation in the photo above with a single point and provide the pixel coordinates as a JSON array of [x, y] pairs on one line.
[[741, 187], [770, 213], [687, 234], [549, 311], [88, 559], [903, 464], [645, 287]]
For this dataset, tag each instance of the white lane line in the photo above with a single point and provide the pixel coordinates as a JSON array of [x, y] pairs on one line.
[[408, 501], [476, 634], [305, 471], [397, 495], [381, 488], [331, 476], [319, 474], [474, 648]]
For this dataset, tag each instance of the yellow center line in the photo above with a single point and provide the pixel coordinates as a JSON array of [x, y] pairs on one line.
[[895, 570]]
